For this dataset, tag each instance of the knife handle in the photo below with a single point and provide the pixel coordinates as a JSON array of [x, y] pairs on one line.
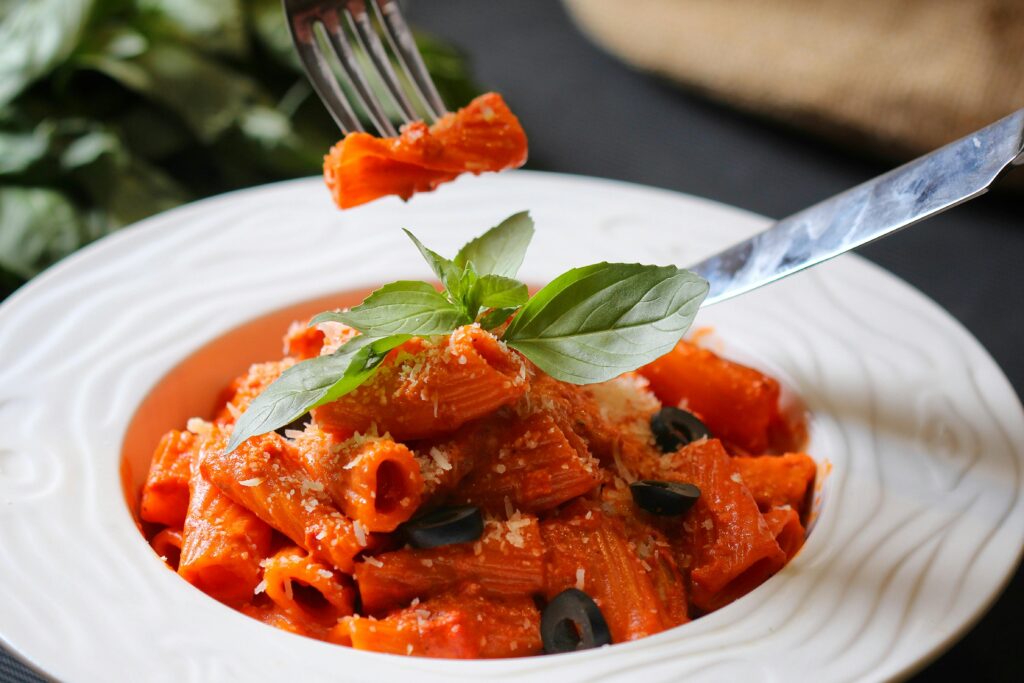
[[920, 189]]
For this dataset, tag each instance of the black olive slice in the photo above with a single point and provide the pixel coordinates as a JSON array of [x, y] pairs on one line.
[[445, 526], [573, 621], [664, 497], [674, 427]]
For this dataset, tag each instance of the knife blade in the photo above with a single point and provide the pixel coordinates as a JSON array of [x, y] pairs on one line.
[[920, 189]]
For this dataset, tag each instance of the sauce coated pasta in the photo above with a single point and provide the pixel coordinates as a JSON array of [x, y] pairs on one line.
[[524, 492]]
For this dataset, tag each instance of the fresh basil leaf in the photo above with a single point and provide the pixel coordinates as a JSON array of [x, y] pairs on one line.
[[500, 250], [39, 226], [137, 190], [495, 291], [593, 323], [208, 95], [108, 173], [457, 280], [152, 132], [313, 383], [216, 26], [21, 150], [496, 317], [267, 141], [325, 317], [403, 307], [35, 37]]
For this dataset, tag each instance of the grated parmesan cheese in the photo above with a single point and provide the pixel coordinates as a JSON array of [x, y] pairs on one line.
[[255, 481], [441, 458], [515, 525], [198, 426], [310, 485], [360, 533]]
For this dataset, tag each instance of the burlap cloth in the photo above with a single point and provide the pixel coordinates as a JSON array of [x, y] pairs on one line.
[[903, 76]]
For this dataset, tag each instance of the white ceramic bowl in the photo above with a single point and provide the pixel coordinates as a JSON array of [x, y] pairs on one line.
[[920, 518]]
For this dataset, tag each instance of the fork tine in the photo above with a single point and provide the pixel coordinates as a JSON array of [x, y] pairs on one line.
[[402, 42], [367, 35], [321, 76], [339, 41]]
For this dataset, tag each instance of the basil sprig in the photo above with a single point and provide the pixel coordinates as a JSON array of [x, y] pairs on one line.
[[588, 325]]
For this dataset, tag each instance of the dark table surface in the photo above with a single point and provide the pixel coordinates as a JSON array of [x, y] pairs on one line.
[[586, 113]]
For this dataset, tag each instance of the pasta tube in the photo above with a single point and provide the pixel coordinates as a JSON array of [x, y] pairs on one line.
[[726, 544], [429, 389], [507, 562], [308, 591], [373, 479], [264, 475], [165, 493], [737, 403], [590, 550], [457, 626], [779, 480], [223, 542]]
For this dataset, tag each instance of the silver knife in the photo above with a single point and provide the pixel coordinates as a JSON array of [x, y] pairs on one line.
[[920, 189]]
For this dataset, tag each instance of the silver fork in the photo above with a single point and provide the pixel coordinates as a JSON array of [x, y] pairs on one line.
[[362, 18]]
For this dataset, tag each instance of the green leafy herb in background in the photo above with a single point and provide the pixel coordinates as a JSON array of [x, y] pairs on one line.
[[112, 110], [588, 325]]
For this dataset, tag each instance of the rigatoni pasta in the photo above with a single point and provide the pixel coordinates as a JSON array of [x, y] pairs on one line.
[[223, 542], [165, 493], [442, 508], [265, 476], [431, 387], [373, 479]]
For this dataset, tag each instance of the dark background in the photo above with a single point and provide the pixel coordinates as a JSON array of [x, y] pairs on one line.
[[586, 113]]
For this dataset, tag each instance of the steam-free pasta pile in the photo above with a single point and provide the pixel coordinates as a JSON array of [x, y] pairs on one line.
[[529, 480]]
